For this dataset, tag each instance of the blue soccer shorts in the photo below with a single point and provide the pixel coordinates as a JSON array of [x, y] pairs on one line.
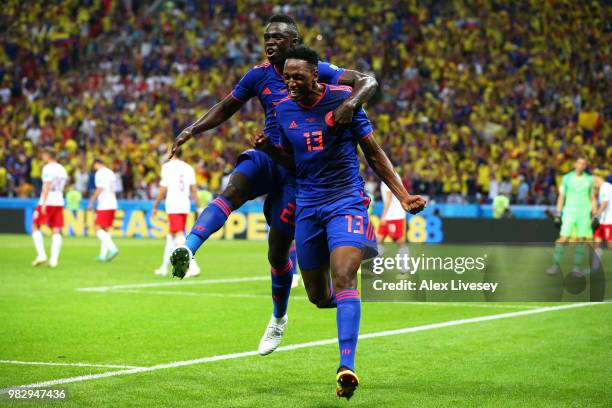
[[321, 229], [275, 181]]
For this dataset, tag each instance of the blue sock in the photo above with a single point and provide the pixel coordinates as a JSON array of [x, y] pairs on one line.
[[281, 288], [347, 320], [210, 221]]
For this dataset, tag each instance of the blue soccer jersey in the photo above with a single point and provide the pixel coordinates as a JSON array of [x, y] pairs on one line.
[[326, 162], [267, 84]]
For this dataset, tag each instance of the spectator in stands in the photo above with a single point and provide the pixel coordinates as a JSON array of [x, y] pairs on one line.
[[471, 92]]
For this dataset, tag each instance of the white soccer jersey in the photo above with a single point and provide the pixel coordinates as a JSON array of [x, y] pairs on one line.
[[396, 211], [105, 179], [605, 194], [55, 174], [178, 177]]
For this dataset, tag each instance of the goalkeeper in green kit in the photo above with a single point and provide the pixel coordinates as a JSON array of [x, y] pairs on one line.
[[575, 205]]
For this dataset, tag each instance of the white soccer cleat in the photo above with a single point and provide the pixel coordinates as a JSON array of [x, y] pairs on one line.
[[295, 281], [161, 271], [194, 269], [53, 264], [553, 270], [272, 336], [39, 261]]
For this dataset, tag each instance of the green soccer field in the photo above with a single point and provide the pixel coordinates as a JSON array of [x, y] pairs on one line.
[[114, 334]]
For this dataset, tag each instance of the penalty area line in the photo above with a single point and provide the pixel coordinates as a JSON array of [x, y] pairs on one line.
[[300, 346]]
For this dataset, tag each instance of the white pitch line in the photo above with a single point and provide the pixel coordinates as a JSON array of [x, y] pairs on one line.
[[173, 283], [67, 364], [211, 294], [299, 346]]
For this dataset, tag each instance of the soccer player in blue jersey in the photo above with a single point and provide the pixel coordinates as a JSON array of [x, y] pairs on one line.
[[333, 233], [255, 174]]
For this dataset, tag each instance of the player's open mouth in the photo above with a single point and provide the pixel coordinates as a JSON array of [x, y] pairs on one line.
[[294, 93], [270, 51]]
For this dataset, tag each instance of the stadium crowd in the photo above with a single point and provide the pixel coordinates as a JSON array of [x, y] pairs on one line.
[[497, 97]]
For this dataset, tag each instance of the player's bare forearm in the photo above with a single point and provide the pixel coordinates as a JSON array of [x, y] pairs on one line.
[[161, 194], [279, 155], [364, 88], [380, 163], [218, 114], [94, 197], [560, 202], [45, 192]]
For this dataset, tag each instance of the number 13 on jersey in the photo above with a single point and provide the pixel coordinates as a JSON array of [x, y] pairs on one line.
[[314, 140]]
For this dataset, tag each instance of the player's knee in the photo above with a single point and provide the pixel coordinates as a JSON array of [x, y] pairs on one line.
[[277, 260], [233, 195], [237, 191], [344, 280]]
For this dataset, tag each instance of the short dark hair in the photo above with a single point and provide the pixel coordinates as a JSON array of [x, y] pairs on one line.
[[303, 53], [98, 160], [284, 18], [49, 151]]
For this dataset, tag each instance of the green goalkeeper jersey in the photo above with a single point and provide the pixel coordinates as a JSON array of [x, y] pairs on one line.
[[577, 191]]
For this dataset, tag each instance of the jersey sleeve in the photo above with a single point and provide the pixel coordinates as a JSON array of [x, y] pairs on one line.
[[192, 177], [329, 73], [361, 126], [565, 183], [246, 88], [47, 174], [274, 128], [99, 179], [163, 181]]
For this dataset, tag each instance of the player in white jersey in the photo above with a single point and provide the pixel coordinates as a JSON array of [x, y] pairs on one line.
[[106, 182], [50, 209], [177, 184], [392, 222], [604, 219]]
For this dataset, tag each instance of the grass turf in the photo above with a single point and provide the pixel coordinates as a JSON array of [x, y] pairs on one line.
[[559, 358]]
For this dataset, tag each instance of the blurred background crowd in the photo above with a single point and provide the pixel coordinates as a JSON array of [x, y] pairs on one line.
[[477, 98]]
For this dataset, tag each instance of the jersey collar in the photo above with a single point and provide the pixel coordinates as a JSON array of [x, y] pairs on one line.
[[317, 101]]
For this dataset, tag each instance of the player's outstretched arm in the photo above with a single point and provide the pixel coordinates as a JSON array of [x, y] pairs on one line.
[[218, 114], [93, 198], [380, 163], [364, 88], [261, 142]]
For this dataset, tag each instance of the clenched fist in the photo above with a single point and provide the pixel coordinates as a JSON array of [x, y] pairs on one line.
[[414, 204]]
